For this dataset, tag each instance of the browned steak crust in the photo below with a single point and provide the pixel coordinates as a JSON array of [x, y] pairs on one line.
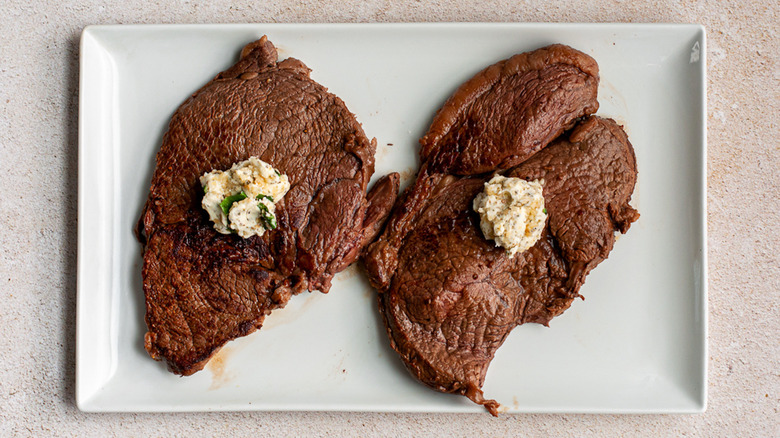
[[203, 288], [510, 110], [448, 296]]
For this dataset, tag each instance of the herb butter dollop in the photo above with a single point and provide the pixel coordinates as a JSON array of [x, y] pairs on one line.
[[511, 212], [243, 199]]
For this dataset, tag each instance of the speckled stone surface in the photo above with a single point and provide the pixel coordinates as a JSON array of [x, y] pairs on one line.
[[38, 172]]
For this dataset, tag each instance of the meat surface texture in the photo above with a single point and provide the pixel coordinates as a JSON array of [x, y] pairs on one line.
[[203, 288], [510, 110], [448, 296]]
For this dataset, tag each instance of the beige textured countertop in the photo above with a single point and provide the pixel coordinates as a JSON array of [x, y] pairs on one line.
[[38, 171]]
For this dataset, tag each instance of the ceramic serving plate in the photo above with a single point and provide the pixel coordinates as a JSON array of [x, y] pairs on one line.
[[636, 344]]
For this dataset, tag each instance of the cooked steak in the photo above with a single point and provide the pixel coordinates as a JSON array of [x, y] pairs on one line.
[[450, 297], [204, 288], [510, 110]]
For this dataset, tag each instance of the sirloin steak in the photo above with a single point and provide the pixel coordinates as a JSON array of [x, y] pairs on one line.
[[510, 110], [204, 288], [448, 296]]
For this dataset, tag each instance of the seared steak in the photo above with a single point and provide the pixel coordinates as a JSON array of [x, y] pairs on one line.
[[450, 297], [510, 110], [203, 288]]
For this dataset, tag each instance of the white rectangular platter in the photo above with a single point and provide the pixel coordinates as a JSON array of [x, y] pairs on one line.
[[636, 344]]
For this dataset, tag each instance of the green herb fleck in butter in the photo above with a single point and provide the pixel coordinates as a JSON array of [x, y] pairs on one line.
[[243, 199]]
